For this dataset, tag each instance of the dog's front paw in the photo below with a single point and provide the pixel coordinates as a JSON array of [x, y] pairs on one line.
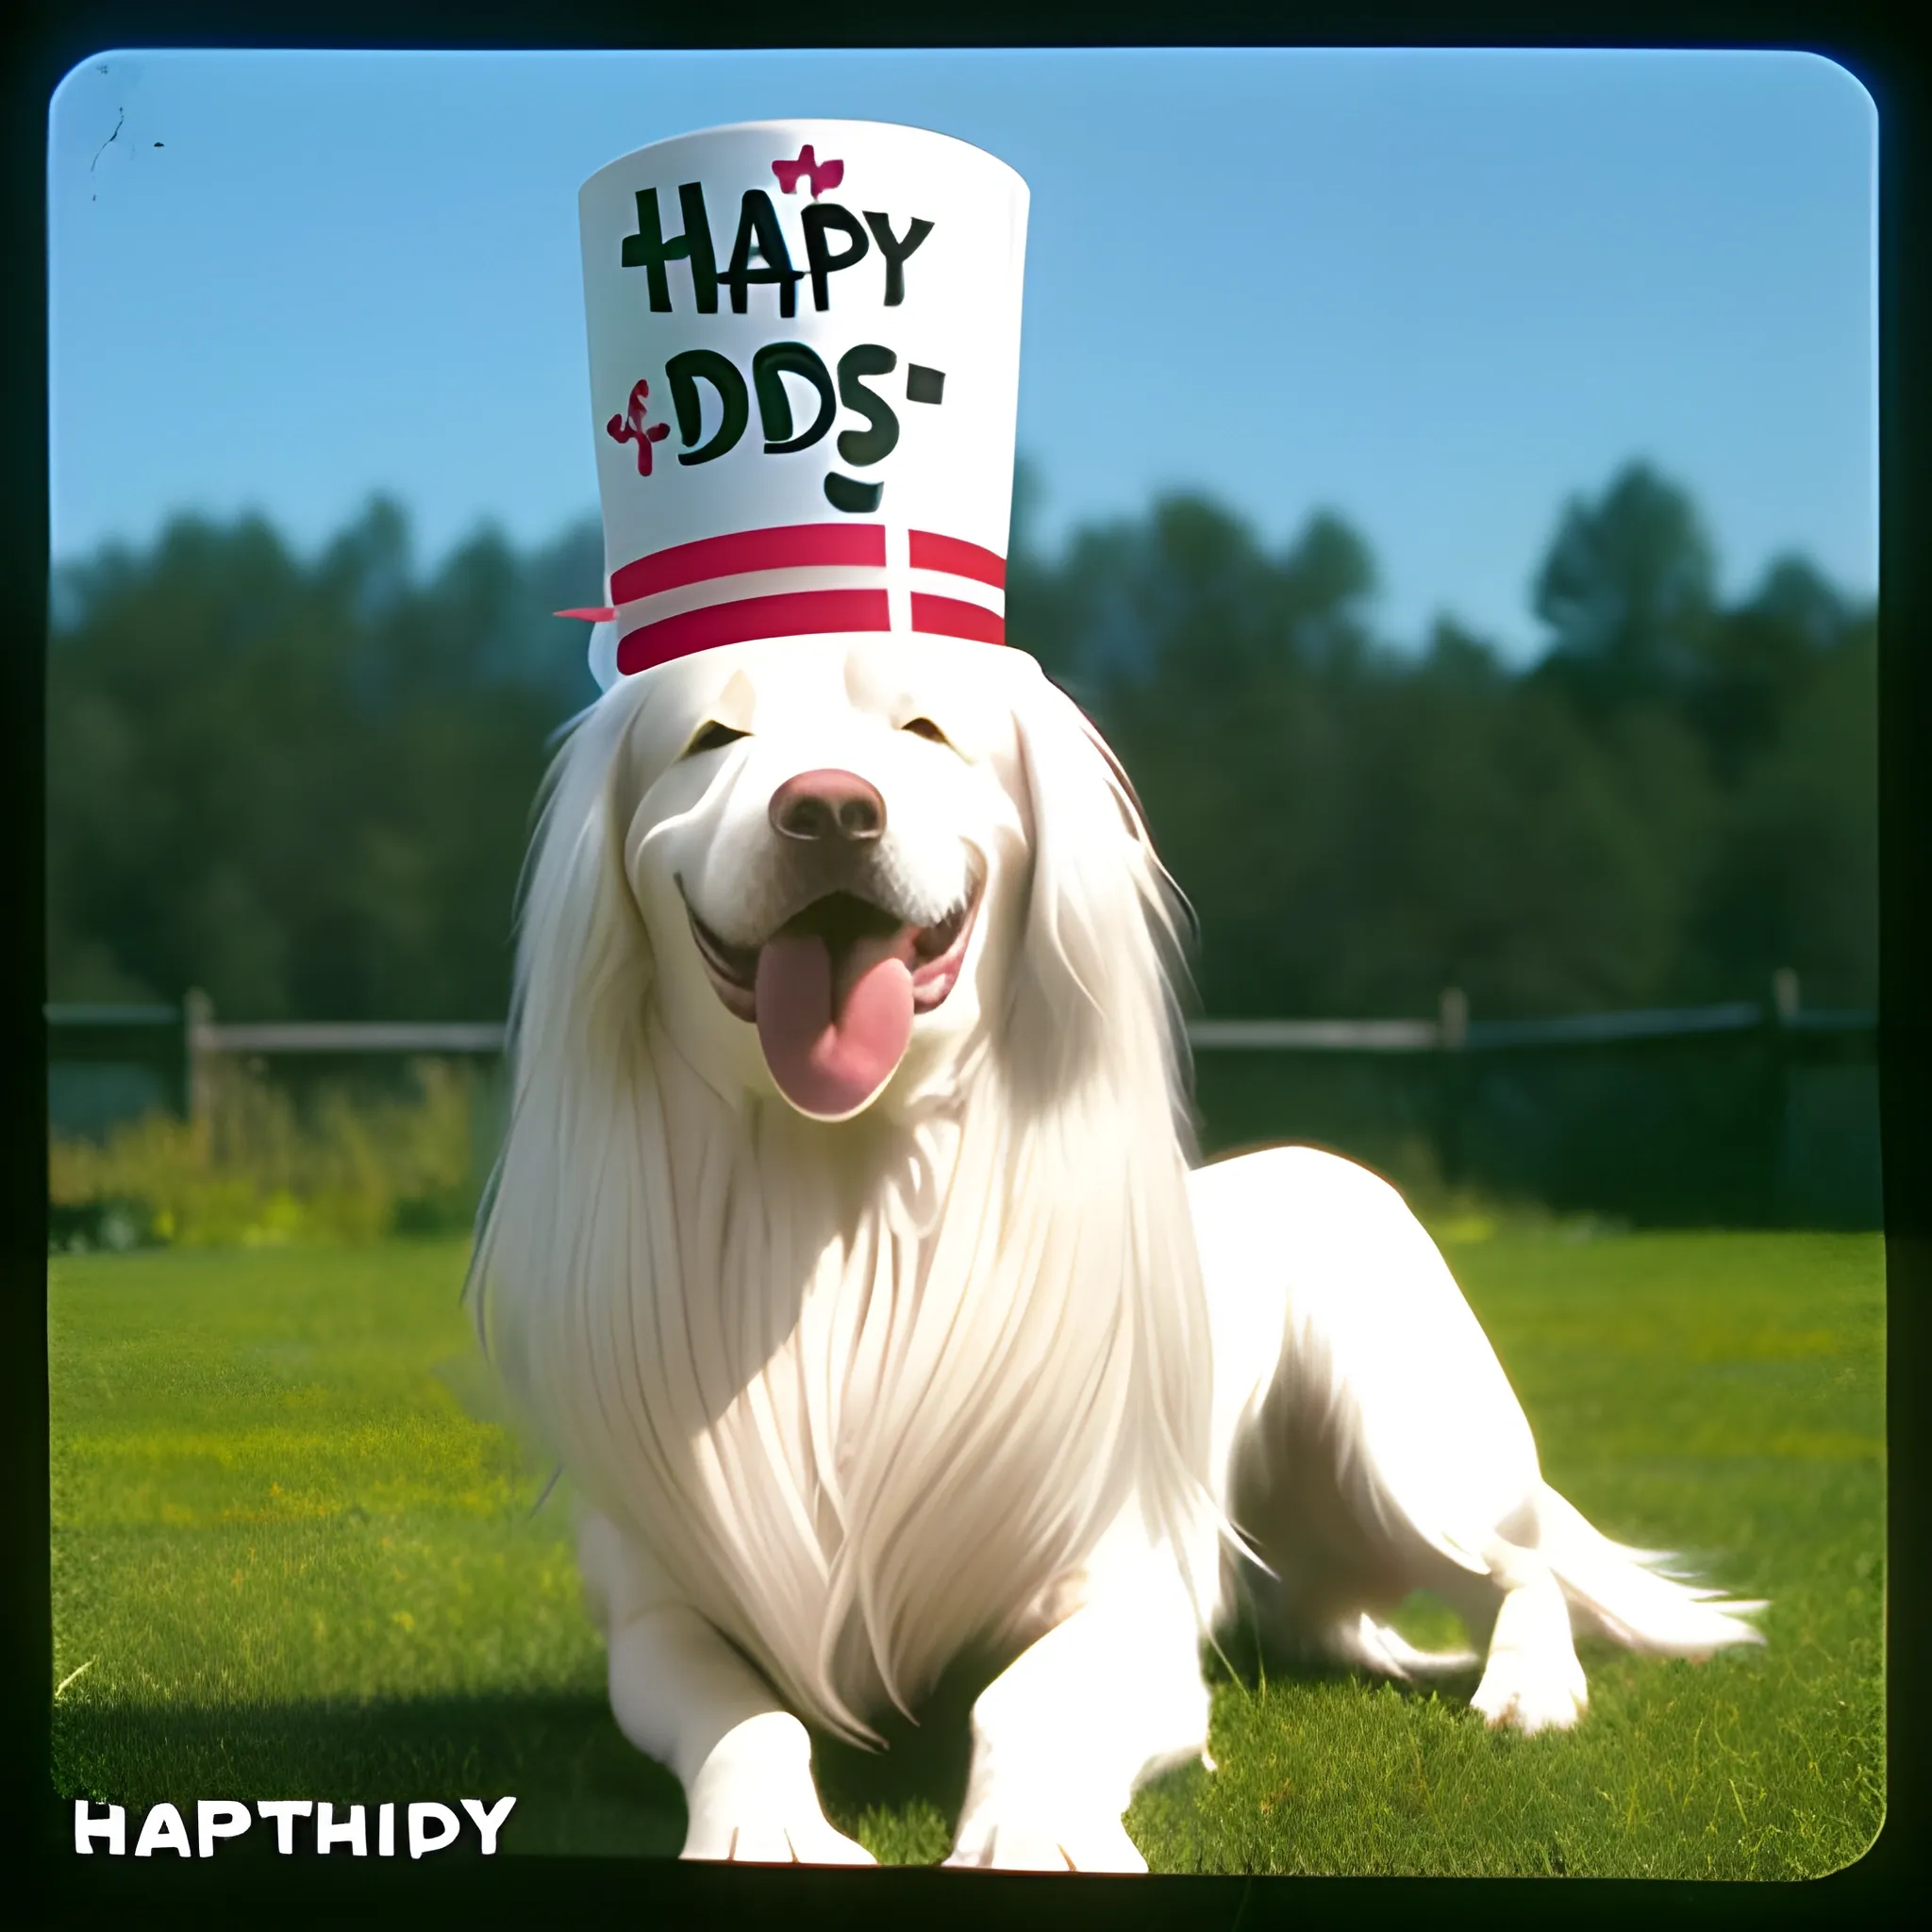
[[754, 1801], [1531, 1693], [1011, 1842]]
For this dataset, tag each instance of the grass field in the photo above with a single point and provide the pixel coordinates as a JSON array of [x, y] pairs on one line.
[[295, 1555]]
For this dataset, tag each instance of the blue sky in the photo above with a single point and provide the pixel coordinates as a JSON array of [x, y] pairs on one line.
[[1436, 291]]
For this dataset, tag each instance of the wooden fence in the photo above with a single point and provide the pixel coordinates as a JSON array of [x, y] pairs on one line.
[[1746, 1113]]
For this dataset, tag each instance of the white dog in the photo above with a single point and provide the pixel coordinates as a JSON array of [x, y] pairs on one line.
[[844, 1248]]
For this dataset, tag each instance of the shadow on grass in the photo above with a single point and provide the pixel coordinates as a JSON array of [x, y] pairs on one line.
[[580, 1786], [1251, 1652], [902, 1802]]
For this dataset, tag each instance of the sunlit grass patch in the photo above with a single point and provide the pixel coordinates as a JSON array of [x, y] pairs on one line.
[[294, 1552]]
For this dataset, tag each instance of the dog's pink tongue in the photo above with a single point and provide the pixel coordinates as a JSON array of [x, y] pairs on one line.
[[830, 1055]]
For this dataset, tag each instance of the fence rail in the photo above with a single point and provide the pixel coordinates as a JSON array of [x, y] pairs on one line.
[[1741, 1113], [1315, 1036], [1208, 1036], [351, 1035]]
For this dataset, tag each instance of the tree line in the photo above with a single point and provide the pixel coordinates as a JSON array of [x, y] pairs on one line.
[[306, 785]]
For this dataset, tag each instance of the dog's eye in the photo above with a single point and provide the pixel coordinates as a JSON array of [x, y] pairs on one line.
[[712, 737], [924, 727]]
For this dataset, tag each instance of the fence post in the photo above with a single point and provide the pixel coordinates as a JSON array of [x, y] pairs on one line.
[[1452, 1039], [1784, 993], [198, 1019], [1784, 1176]]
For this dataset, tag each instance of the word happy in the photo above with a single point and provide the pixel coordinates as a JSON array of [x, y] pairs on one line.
[[427, 1828], [760, 236]]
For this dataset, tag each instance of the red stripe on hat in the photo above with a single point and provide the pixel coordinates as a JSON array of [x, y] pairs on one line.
[[959, 558], [747, 550], [952, 617], [798, 613]]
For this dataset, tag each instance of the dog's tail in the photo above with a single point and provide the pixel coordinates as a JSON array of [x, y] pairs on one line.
[[1629, 1595], [1613, 1590]]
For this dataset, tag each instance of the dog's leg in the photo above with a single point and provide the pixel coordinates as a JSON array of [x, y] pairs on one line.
[[1108, 1698], [1531, 1681], [684, 1696]]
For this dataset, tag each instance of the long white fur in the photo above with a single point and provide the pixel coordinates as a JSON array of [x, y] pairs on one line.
[[869, 1391], [985, 1364]]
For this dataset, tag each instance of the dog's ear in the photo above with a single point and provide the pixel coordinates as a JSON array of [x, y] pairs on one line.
[[577, 1033], [1102, 968], [1099, 1050], [583, 954]]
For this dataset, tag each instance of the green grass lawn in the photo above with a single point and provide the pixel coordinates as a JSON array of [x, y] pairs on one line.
[[295, 1555]]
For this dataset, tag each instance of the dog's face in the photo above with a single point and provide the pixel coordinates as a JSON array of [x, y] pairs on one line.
[[829, 840]]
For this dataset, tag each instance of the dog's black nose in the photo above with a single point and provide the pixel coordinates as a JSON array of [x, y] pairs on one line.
[[828, 805]]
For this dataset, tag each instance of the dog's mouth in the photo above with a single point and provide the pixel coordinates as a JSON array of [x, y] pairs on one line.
[[834, 991]]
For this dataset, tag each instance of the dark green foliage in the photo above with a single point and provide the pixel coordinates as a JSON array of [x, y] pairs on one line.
[[1628, 593], [306, 787], [1674, 802]]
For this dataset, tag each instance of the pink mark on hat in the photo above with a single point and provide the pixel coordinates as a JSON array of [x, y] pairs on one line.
[[822, 174], [629, 428]]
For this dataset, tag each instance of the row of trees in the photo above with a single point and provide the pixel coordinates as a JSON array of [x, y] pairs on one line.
[[1677, 798], [306, 786]]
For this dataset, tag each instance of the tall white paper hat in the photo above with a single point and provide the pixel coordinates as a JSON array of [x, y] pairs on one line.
[[804, 365]]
